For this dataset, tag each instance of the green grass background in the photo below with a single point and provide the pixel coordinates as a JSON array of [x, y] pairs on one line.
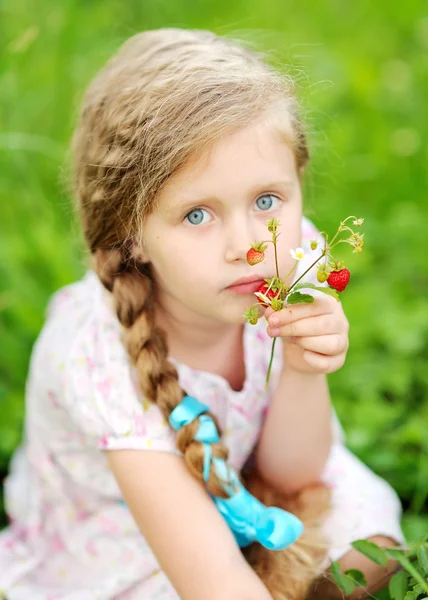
[[361, 70]]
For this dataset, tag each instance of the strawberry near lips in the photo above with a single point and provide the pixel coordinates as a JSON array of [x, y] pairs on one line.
[[270, 294]]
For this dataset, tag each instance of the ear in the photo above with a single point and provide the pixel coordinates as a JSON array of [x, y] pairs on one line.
[[139, 253]]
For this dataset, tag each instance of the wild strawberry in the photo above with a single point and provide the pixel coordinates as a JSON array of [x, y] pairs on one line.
[[323, 272], [263, 292], [338, 280], [251, 315], [256, 253], [322, 276]]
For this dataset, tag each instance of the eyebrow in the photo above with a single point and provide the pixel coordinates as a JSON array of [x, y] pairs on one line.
[[256, 191]]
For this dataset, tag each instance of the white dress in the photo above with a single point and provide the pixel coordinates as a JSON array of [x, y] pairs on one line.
[[71, 537]]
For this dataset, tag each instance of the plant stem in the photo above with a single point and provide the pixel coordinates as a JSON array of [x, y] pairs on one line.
[[276, 260], [290, 272], [413, 572], [307, 270], [271, 360]]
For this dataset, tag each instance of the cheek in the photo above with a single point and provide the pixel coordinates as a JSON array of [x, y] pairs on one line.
[[290, 238], [181, 267]]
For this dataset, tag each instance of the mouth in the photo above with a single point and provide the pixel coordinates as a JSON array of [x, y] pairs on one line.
[[246, 285]]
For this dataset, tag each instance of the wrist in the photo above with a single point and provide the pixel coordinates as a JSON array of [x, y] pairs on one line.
[[309, 375]]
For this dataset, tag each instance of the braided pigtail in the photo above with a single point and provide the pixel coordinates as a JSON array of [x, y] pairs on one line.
[[133, 292]]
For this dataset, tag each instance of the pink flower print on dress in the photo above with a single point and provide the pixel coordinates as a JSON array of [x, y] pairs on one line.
[[128, 556], [82, 515], [90, 363], [250, 412], [103, 441], [104, 387], [27, 533], [53, 398], [90, 548], [108, 525], [56, 544]]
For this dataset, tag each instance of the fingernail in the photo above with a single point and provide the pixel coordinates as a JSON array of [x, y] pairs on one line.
[[273, 331], [274, 320]]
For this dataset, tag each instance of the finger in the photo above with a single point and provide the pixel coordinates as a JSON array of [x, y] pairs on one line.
[[322, 363], [312, 326], [320, 306], [330, 345]]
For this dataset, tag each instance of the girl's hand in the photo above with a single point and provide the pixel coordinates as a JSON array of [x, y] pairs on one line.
[[315, 336]]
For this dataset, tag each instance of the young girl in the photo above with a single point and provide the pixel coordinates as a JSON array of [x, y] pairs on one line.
[[186, 146]]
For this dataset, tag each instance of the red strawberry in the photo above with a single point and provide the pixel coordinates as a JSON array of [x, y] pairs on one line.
[[339, 279], [256, 253], [263, 289]]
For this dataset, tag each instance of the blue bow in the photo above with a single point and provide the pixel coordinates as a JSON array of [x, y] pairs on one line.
[[249, 520]]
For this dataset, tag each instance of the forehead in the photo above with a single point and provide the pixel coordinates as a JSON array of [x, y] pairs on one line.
[[255, 156]]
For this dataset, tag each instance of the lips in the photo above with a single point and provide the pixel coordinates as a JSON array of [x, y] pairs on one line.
[[246, 285]]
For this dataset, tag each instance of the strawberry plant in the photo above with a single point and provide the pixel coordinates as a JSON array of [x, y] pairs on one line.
[[277, 293]]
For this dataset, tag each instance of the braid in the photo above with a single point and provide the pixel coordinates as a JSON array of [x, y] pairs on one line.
[[133, 292]]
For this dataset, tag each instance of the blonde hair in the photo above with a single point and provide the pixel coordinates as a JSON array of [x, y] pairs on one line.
[[164, 97]]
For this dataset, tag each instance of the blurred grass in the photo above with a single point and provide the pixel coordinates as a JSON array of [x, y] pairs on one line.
[[361, 70]]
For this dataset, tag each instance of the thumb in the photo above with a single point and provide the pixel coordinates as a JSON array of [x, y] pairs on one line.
[[268, 312]]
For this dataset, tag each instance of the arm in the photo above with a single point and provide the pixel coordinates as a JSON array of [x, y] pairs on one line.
[[189, 537], [297, 435]]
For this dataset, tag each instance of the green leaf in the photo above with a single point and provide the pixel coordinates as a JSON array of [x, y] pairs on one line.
[[423, 558], [401, 557], [356, 576], [297, 298], [414, 593], [345, 583], [325, 290], [395, 554], [398, 585], [329, 291], [372, 551]]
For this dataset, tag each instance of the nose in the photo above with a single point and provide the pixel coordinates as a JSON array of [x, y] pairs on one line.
[[240, 234]]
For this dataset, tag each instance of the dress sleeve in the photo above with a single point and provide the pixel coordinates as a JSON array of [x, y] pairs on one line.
[[101, 393]]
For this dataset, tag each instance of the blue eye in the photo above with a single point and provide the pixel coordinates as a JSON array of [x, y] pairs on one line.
[[196, 216], [266, 202]]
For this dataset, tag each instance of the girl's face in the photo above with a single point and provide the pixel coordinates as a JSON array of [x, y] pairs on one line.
[[208, 215]]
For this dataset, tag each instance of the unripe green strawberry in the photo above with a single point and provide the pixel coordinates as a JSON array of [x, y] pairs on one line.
[[338, 280], [322, 276], [323, 271], [251, 315]]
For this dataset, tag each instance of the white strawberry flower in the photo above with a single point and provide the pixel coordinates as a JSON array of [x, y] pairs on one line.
[[263, 298], [297, 254]]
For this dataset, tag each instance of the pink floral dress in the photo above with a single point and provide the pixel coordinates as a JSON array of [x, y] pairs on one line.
[[71, 537]]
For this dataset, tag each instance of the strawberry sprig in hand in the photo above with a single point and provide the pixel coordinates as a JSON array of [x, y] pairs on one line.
[[275, 294]]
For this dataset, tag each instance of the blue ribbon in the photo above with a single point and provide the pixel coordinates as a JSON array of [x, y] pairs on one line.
[[249, 520]]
